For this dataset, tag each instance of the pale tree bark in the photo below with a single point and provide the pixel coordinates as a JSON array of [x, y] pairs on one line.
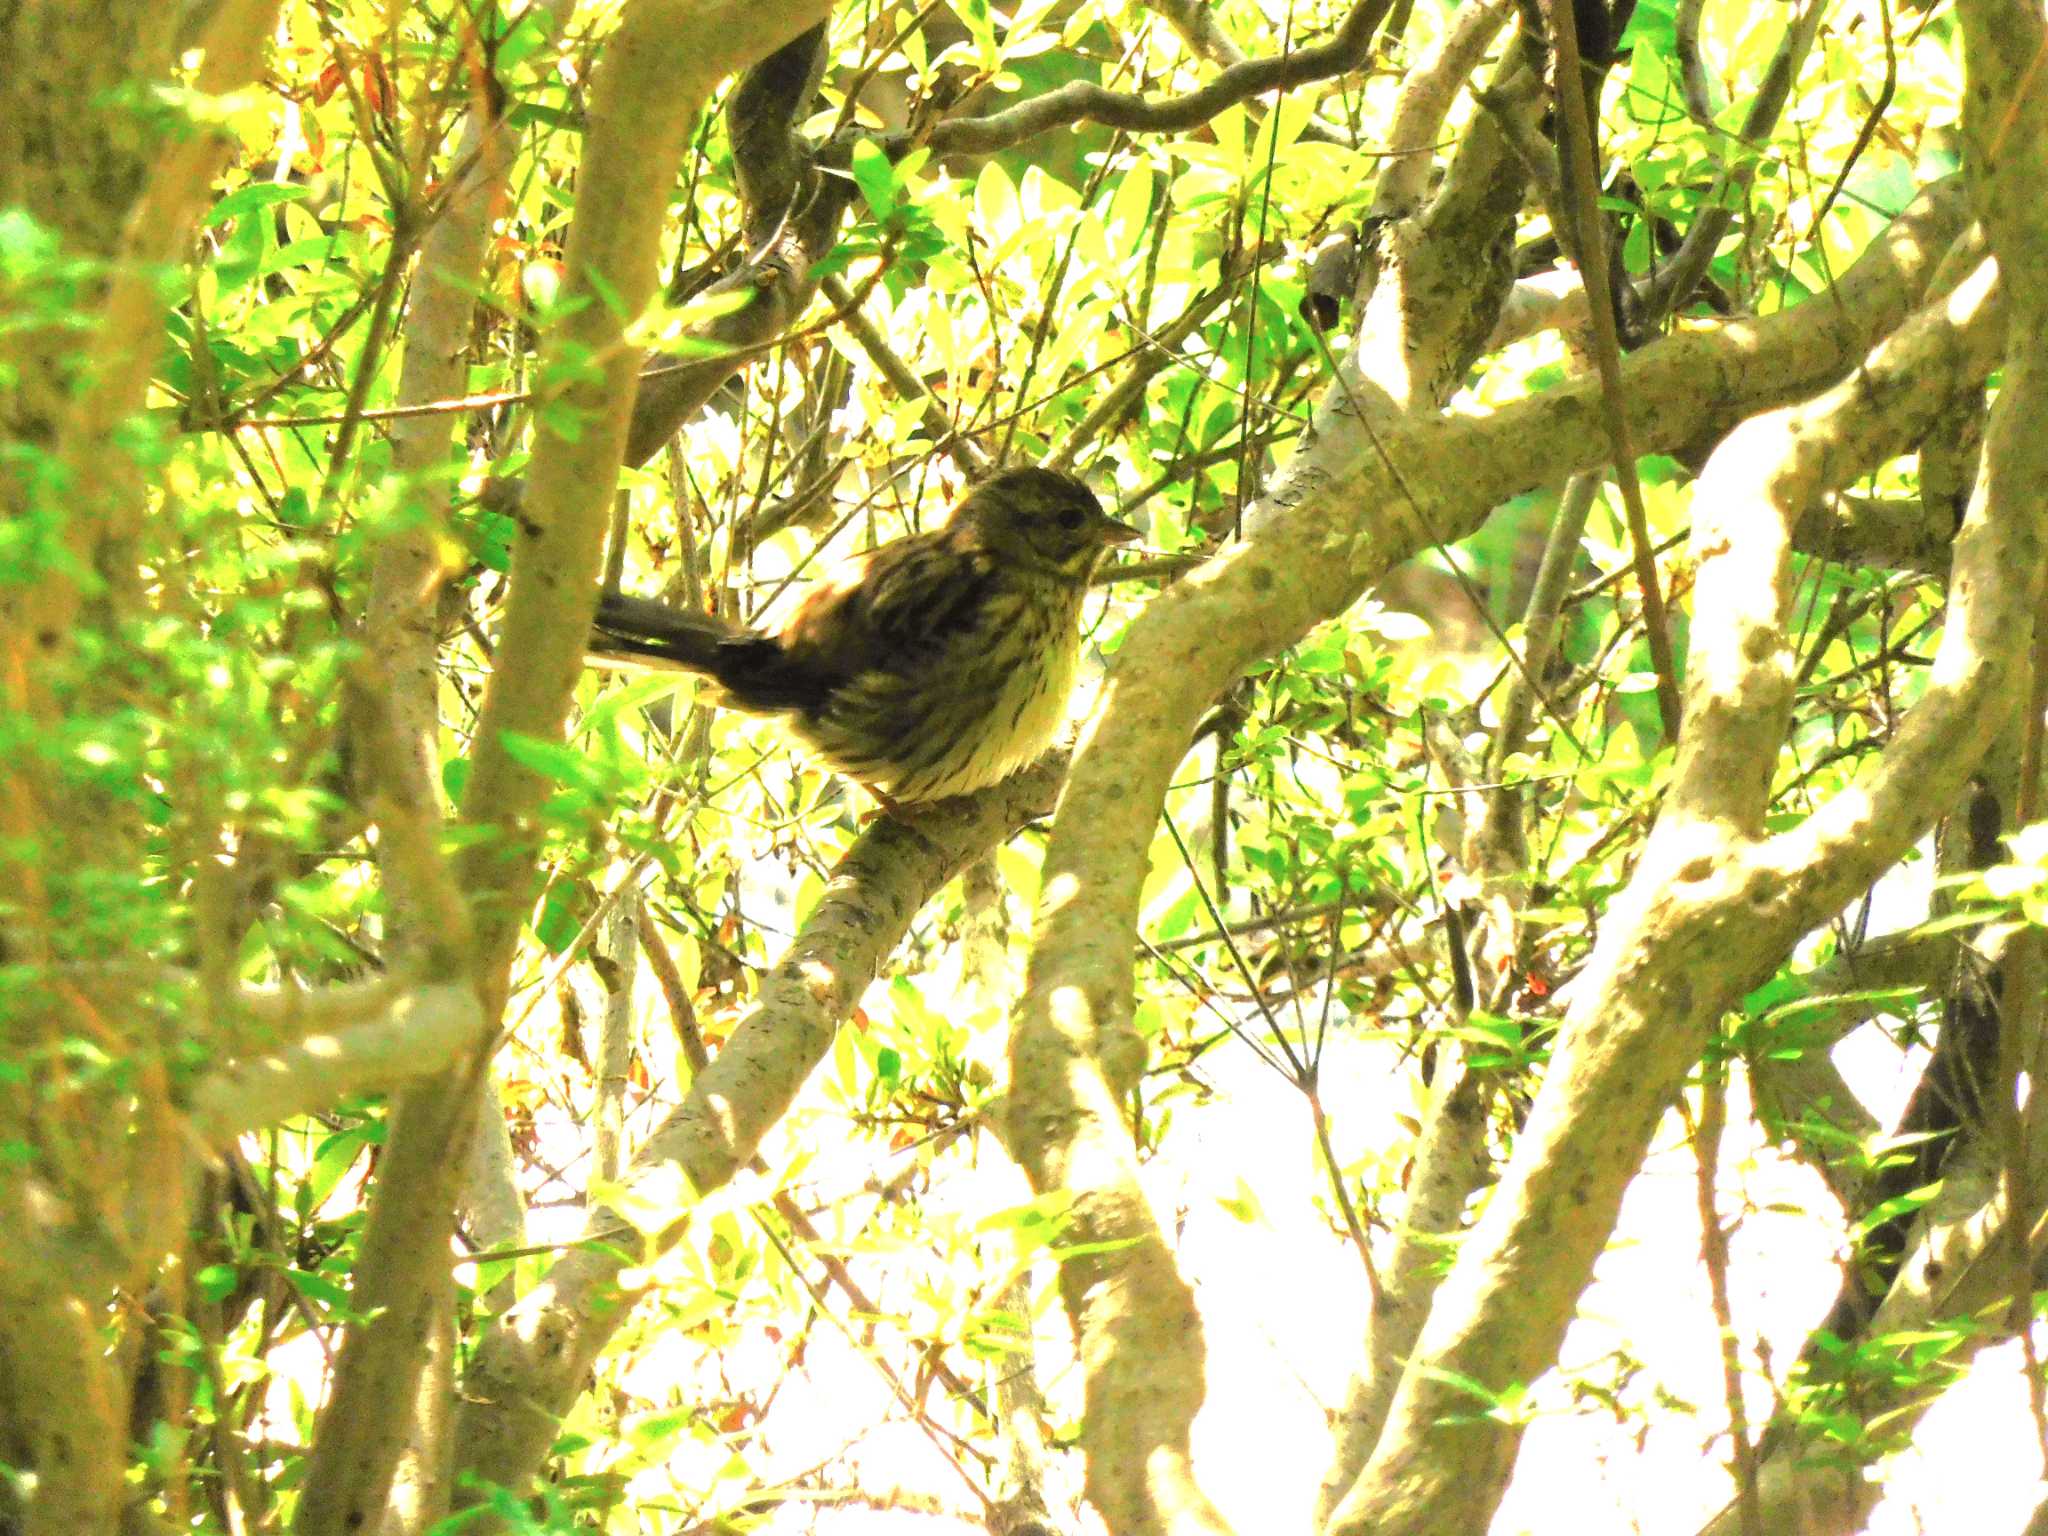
[[533, 1362], [1072, 1051], [617, 961], [1964, 1264], [655, 72], [1715, 905], [1451, 1160], [122, 192], [1439, 285]]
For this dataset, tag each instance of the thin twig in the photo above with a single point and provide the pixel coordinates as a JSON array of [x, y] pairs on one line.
[[1706, 1143], [1583, 191]]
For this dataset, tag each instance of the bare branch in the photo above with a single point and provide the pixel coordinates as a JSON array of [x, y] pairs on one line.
[[1581, 193], [531, 1366], [1159, 351], [656, 70], [1544, 301], [1709, 909], [903, 379], [1692, 70], [425, 1032], [1083, 101], [1450, 1164], [1674, 281]]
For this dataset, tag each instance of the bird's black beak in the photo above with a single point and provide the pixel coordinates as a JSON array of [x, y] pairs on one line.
[[1110, 531]]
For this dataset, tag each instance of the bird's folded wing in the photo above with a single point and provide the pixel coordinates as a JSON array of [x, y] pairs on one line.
[[894, 609]]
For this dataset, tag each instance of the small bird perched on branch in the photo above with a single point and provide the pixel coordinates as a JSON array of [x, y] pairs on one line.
[[935, 665]]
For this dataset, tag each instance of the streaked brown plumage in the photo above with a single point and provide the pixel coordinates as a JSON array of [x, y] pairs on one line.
[[935, 665]]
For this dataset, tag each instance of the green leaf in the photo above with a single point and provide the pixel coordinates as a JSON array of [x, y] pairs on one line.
[[337, 1154], [975, 14], [875, 177], [555, 761], [318, 1288], [995, 205], [524, 38], [1898, 1205], [1130, 206], [556, 925], [262, 194], [637, 694]]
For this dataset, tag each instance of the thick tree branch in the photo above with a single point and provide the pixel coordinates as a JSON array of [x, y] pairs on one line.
[[1444, 274], [1450, 1164], [129, 338], [1082, 101], [426, 1032], [656, 70], [112, 185], [531, 1366], [791, 217], [1335, 519], [1710, 909], [401, 644], [1425, 101]]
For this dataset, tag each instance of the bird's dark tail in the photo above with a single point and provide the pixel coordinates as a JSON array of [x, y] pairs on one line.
[[640, 627], [753, 669]]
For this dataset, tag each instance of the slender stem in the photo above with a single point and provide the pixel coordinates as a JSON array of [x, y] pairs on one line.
[[1582, 190]]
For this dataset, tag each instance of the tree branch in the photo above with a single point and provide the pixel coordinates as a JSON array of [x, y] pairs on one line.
[[1335, 519], [1425, 101], [656, 71], [1083, 101], [426, 1031], [1710, 909], [532, 1364], [1675, 279]]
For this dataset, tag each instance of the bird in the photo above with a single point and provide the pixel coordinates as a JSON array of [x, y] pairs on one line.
[[934, 665]]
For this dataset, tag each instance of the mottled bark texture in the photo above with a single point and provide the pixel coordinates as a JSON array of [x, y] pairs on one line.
[[533, 1362], [1716, 904], [1965, 1260], [95, 1195], [1073, 1052], [654, 73]]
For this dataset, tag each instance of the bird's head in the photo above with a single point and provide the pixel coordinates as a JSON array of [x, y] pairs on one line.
[[1043, 519]]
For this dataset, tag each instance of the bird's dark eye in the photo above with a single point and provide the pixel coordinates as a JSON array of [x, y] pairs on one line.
[[1072, 517]]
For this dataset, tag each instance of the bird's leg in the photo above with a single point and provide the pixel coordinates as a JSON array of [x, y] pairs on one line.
[[889, 807]]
